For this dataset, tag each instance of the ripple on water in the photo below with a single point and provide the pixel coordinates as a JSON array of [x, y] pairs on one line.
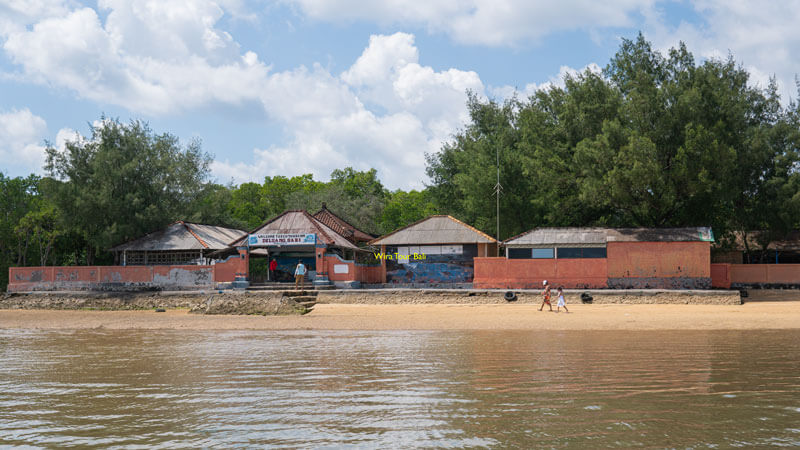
[[398, 389]]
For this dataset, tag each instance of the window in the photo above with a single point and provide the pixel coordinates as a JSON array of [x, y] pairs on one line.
[[594, 252], [581, 252], [519, 253], [542, 253]]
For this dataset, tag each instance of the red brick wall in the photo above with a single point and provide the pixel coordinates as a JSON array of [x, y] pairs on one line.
[[104, 277], [659, 259], [721, 276], [355, 272], [502, 273], [765, 274]]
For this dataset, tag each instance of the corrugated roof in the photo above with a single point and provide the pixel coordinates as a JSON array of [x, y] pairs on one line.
[[437, 229], [341, 226], [595, 236], [300, 221], [183, 236]]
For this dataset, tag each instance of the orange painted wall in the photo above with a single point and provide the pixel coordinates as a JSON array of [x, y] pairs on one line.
[[355, 272], [502, 273], [43, 278], [765, 273], [659, 259], [721, 275]]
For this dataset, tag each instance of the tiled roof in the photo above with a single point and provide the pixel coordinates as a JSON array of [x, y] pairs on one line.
[[301, 222], [341, 226]]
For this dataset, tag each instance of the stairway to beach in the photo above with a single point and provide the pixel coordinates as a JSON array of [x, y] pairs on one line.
[[306, 296]]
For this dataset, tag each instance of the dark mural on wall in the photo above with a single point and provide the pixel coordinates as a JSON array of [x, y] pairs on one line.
[[434, 269], [660, 283]]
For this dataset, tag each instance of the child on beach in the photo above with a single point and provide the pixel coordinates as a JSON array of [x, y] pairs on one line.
[[561, 301], [546, 294]]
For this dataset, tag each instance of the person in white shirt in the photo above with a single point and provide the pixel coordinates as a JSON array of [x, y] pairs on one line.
[[561, 301], [299, 274]]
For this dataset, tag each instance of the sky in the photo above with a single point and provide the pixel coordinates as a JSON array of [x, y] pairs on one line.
[[289, 87]]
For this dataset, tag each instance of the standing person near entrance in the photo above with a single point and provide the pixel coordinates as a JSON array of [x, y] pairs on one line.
[[300, 274], [546, 295], [273, 266]]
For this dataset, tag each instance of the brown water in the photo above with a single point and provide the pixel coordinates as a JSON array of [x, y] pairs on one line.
[[399, 389]]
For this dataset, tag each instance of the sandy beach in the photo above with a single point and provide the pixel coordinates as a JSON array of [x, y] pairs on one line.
[[754, 315]]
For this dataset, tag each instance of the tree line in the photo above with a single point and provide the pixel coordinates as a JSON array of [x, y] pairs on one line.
[[654, 140]]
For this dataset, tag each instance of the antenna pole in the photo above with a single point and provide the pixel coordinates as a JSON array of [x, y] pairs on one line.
[[497, 189]]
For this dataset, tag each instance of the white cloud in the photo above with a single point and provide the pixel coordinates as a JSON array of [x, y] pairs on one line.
[[333, 120], [485, 22], [158, 58], [21, 141], [150, 57], [762, 36], [15, 15]]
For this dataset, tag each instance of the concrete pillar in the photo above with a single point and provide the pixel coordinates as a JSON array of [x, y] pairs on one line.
[[322, 267], [242, 275], [383, 264]]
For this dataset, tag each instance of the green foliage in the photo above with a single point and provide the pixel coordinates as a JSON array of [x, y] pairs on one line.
[[652, 141], [403, 208], [358, 197], [125, 181]]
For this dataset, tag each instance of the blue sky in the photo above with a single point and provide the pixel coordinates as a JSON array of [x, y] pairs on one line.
[[308, 86]]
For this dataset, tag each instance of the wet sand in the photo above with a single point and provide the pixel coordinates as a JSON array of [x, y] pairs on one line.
[[750, 316]]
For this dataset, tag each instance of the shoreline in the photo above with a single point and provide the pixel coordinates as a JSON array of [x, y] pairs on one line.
[[761, 315]]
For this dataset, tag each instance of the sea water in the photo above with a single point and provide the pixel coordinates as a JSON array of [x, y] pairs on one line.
[[399, 389]]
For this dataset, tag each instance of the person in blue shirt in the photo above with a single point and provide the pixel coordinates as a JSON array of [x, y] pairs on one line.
[[299, 274]]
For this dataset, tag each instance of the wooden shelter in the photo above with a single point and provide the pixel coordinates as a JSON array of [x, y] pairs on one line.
[[436, 250], [179, 243]]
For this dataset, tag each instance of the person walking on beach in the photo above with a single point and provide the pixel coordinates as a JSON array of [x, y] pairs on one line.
[[299, 274], [561, 301], [546, 294]]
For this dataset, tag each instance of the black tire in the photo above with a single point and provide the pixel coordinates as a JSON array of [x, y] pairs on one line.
[[586, 298], [161, 310], [510, 296]]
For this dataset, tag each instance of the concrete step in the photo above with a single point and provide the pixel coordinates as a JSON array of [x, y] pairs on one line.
[[287, 287], [294, 294]]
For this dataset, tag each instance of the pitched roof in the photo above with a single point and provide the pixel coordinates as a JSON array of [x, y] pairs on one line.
[[300, 222], [601, 236], [182, 235], [341, 226], [439, 229]]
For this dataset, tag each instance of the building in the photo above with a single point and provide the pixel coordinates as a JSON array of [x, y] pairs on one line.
[[759, 247], [341, 226], [437, 250], [176, 258], [180, 243], [295, 236], [622, 258]]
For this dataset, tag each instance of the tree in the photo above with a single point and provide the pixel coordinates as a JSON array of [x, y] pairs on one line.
[[124, 181], [403, 208], [654, 140]]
